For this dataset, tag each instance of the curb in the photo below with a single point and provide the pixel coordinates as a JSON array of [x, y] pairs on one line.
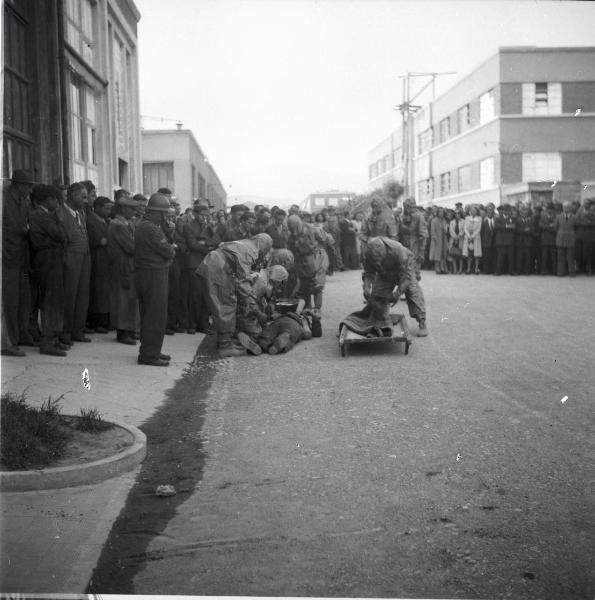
[[75, 475]]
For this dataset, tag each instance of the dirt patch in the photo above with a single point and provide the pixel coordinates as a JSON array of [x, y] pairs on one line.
[[84, 447]]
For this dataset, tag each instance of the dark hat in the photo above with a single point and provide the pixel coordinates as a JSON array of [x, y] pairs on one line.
[[22, 176], [458, 204], [164, 190], [239, 207]]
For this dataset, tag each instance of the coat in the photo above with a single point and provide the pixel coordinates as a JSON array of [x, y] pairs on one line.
[[472, 229], [311, 259], [438, 240], [15, 211], [200, 240], [488, 234], [505, 228], [123, 301], [565, 230], [99, 293]]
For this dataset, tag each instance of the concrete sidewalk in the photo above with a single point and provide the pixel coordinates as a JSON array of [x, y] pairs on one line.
[[51, 540]]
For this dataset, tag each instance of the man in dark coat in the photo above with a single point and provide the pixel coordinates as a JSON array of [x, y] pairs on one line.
[[546, 228], [152, 257], [244, 230], [524, 242], [16, 294], [120, 246], [488, 240], [77, 265], [48, 237], [233, 223], [278, 230], [200, 238], [565, 240], [505, 226], [389, 271], [99, 289]]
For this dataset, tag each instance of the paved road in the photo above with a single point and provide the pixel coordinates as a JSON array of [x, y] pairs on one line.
[[309, 474]]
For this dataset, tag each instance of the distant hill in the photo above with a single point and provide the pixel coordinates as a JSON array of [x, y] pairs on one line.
[[252, 201]]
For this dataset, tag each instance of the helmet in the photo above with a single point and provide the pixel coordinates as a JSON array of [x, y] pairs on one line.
[[158, 202]]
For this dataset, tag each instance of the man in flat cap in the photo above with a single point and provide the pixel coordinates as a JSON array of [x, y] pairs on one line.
[[123, 303], [16, 294]]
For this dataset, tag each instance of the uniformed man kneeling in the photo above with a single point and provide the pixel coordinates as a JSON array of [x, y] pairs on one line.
[[389, 271]]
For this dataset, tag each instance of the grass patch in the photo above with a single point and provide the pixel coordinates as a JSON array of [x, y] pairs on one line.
[[91, 421], [30, 437], [34, 438]]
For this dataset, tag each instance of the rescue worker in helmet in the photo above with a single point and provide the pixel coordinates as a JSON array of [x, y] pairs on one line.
[[152, 256], [228, 274], [389, 271]]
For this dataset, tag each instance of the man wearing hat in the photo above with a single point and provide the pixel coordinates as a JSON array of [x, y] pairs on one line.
[[200, 238], [99, 292], [235, 214], [16, 294], [152, 257], [505, 226], [47, 238], [77, 265], [123, 304]]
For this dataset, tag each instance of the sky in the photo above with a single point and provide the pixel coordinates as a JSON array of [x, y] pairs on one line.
[[287, 97]]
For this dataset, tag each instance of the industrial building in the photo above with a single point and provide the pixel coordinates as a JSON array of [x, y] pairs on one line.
[[172, 158], [71, 98], [521, 126]]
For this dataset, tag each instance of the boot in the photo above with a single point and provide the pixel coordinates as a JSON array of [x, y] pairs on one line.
[[248, 343], [423, 331], [316, 327], [52, 350], [229, 349]]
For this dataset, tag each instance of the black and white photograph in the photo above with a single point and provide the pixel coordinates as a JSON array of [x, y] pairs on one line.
[[298, 299]]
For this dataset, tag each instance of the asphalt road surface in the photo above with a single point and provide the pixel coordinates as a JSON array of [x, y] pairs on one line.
[[462, 470]]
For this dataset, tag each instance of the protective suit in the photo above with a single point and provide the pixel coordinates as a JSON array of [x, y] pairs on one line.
[[311, 260], [389, 271], [228, 275]]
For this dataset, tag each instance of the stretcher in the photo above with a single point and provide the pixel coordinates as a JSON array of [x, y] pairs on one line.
[[400, 333]]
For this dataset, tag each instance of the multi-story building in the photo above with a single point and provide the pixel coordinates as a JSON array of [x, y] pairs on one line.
[[520, 126], [71, 99], [319, 200], [172, 158]]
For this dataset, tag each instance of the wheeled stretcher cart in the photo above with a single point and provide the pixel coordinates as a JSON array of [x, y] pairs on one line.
[[400, 333]]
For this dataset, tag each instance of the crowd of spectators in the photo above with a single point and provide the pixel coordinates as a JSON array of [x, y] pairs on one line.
[[68, 254]]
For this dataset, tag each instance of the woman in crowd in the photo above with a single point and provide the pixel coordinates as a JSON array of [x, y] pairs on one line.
[[472, 239], [455, 242], [438, 242]]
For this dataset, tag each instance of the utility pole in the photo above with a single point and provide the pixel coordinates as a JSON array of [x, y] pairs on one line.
[[407, 110]]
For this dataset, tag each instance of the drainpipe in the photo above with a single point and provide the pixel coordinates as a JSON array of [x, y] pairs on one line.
[[62, 75]]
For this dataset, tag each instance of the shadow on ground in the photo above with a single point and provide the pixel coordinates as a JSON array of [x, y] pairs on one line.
[[174, 456]]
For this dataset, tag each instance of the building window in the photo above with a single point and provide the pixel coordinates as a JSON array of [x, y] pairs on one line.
[[542, 166], [425, 189], [486, 173], [83, 136], [444, 129], [80, 27], [445, 184], [17, 139], [464, 114], [542, 98], [424, 141], [464, 179], [487, 107], [157, 175]]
